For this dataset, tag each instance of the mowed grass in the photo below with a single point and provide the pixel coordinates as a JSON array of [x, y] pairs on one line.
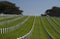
[[13, 23], [21, 31], [54, 24], [56, 21], [40, 30], [8, 18], [53, 33]]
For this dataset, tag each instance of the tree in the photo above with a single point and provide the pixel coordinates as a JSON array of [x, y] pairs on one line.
[[55, 11], [9, 8]]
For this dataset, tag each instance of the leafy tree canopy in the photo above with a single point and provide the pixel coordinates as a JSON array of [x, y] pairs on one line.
[[9, 8], [54, 11]]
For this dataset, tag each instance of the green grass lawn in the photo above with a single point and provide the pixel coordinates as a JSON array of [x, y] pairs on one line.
[[38, 32], [13, 23], [24, 29], [50, 29], [42, 27]]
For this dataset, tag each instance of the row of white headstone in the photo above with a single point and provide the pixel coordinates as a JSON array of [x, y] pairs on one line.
[[8, 15], [4, 30], [9, 21], [58, 24], [18, 25], [46, 30], [52, 25], [29, 33], [5, 17]]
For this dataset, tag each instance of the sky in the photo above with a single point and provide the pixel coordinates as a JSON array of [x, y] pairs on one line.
[[35, 7]]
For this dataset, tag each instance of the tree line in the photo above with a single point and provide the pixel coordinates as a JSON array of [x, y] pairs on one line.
[[9, 8], [54, 11]]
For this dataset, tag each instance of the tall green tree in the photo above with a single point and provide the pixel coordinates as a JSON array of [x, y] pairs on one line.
[[54, 11], [9, 8]]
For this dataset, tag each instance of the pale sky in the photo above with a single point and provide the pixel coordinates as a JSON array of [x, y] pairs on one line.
[[35, 7]]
